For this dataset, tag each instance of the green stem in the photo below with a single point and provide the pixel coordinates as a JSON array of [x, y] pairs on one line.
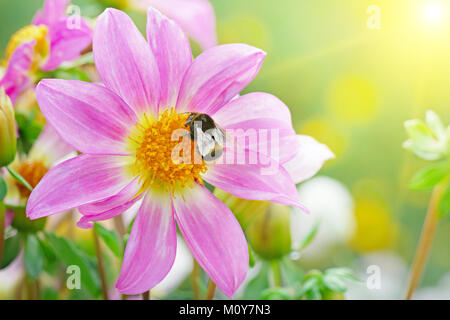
[[277, 281], [13, 207], [2, 229], [19, 178], [426, 239], [101, 268], [146, 295], [194, 276], [211, 290]]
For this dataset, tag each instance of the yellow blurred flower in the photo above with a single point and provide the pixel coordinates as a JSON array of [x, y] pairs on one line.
[[29, 33], [375, 228]]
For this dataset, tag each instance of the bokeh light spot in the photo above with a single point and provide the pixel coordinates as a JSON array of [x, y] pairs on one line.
[[353, 98], [375, 229], [325, 132], [244, 29], [433, 12]]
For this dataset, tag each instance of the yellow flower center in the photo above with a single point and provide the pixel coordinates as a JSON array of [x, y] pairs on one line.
[[32, 172], [26, 34], [166, 158]]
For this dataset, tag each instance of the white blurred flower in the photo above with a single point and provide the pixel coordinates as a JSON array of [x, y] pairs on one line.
[[438, 292], [393, 272], [331, 205], [182, 267], [10, 276]]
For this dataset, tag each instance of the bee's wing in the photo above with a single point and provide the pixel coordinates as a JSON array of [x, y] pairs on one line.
[[205, 142], [219, 136]]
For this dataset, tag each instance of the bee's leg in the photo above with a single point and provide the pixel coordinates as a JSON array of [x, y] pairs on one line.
[[213, 155]]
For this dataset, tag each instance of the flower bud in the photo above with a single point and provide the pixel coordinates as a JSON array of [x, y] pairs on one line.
[[23, 224], [245, 211], [269, 234], [7, 130]]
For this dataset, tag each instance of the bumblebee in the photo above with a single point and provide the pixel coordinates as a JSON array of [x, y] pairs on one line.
[[208, 137]]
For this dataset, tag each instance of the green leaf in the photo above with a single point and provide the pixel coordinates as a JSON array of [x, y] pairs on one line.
[[257, 284], [70, 254], [344, 273], [251, 257], [276, 294], [50, 294], [33, 256], [293, 275], [11, 250], [310, 236], [308, 285], [430, 176], [19, 178], [334, 283], [72, 74], [111, 239], [444, 205], [3, 189], [314, 294], [29, 130], [50, 259]]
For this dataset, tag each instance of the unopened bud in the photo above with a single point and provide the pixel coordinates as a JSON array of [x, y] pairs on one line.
[[245, 211], [7, 130], [23, 224], [269, 234]]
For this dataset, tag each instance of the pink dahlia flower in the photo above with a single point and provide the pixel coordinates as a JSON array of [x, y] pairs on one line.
[[125, 130], [52, 39]]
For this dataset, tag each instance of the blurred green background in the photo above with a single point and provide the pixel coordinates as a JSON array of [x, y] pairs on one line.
[[349, 86]]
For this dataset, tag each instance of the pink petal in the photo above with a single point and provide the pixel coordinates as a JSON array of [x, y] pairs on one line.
[[77, 181], [172, 52], [196, 17], [251, 175], [50, 146], [53, 10], [151, 248], [110, 207], [310, 157], [88, 116], [87, 221], [16, 78], [266, 122], [9, 215], [125, 61], [218, 75], [214, 237], [67, 42]]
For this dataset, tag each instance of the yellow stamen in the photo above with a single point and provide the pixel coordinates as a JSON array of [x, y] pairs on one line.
[[153, 144], [28, 33]]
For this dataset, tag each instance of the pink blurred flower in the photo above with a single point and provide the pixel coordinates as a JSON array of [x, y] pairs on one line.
[[47, 151], [69, 35], [195, 17], [16, 78], [52, 39], [125, 127]]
